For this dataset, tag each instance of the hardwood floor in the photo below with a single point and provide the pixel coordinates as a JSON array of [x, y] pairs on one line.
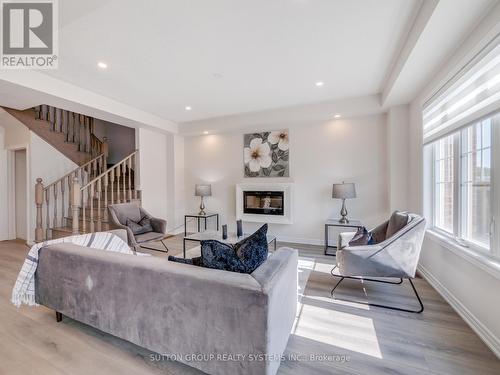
[[330, 337]]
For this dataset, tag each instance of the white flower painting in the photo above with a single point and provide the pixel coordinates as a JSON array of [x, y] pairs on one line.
[[266, 154]]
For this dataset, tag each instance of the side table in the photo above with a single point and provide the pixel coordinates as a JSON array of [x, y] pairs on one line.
[[354, 224], [199, 218]]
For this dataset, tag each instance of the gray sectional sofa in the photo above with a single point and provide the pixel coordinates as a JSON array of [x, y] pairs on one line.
[[177, 309]]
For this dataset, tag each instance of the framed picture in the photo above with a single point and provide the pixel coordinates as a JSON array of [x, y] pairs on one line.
[[266, 154]]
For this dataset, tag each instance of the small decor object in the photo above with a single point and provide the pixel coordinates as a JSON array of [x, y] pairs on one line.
[[344, 191], [203, 190], [224, 232], [239, 228], [266, 154]]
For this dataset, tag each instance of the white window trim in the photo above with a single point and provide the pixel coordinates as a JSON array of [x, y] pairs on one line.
[[493, 252], [479, 259]]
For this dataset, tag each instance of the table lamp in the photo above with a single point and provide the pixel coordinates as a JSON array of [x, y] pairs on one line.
[[344, 191], [203, 190]]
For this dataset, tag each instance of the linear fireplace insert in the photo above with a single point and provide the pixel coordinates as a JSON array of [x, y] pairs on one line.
[[263, 202]]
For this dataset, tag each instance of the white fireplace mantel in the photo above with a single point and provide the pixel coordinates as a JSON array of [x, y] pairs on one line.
[[286, 188]]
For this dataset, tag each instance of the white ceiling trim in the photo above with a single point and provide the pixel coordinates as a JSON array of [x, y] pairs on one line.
[[36, 88]]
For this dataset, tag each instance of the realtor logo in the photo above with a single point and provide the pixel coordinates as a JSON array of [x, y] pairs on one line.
[[29, 34]]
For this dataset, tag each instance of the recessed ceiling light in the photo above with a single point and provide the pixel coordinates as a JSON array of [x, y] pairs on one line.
[[102, 65], [337, 116], [205, 132], [188, 108], [320, 83]]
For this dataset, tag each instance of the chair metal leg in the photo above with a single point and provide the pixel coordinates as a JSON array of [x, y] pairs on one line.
[[375, 304], [152, 248]]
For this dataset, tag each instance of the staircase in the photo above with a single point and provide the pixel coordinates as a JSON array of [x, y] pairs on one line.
[[90, 189], [77, 202], [70, 133]]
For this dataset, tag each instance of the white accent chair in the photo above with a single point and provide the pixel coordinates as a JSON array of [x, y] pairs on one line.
[[395, 255]]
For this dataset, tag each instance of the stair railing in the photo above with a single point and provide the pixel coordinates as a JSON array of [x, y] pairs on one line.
[[57, 200], [76, 127], [98, 193]]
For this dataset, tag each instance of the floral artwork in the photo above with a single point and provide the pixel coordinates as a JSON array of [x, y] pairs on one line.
[[266, 154]]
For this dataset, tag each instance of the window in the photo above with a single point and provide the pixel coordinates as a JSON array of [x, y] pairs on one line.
[[461, 137], [462, 180], [476, 183], [444, 184]]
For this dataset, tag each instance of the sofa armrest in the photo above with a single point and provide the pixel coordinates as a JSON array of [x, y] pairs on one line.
[[117, 225], [159, 225], [344, 239]]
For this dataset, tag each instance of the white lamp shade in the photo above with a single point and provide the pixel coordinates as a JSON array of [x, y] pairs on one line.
[[344, 191], [202, 190]]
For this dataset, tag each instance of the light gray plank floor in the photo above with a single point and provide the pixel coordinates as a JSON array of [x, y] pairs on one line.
[[331, 337]]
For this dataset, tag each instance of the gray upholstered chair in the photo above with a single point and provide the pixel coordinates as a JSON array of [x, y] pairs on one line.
[[395, 254], [118, 215]]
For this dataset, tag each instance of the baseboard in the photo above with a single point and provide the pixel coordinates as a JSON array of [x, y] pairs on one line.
[[176, 231], [481, 330]]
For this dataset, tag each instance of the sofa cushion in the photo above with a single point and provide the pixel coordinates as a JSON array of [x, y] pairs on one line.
[[361, 238], [397, 222]]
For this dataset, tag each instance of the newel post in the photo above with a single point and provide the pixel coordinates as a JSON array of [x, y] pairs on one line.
[[39, 202], [75, 198]]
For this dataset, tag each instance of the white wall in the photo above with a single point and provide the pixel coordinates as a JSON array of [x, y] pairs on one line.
[[153, 171], [397, 157], [321, 153], [161, 175], [121, 139], [469, 284]]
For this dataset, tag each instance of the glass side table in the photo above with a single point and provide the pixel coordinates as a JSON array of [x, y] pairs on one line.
[[200, 218], [353, 224]]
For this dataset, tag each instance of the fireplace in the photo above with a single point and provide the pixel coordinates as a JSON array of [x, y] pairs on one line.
[[263, 202]]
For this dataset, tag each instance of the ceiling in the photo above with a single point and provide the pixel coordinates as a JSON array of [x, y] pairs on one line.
[[224, 57]]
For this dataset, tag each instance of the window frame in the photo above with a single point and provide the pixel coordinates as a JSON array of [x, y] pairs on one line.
[[457, 236]]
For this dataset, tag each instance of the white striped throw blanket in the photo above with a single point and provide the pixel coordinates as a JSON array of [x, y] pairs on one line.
[[24, 289]]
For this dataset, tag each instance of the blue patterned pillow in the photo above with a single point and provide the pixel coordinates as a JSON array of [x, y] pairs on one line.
[[244, 256]]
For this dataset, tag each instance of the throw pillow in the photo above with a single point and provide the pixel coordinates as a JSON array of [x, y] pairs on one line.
[[361, 238], [244, 257], [145, 222], [397, 221], [193, 261], [137, 228]]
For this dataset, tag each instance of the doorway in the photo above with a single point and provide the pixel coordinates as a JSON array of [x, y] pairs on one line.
[[21, 194]]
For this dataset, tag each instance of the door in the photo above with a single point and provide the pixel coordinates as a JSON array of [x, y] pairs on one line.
[[20, 193]]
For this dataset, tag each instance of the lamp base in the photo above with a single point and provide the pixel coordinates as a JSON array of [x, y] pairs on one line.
[[202, 208], [343, 214]]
